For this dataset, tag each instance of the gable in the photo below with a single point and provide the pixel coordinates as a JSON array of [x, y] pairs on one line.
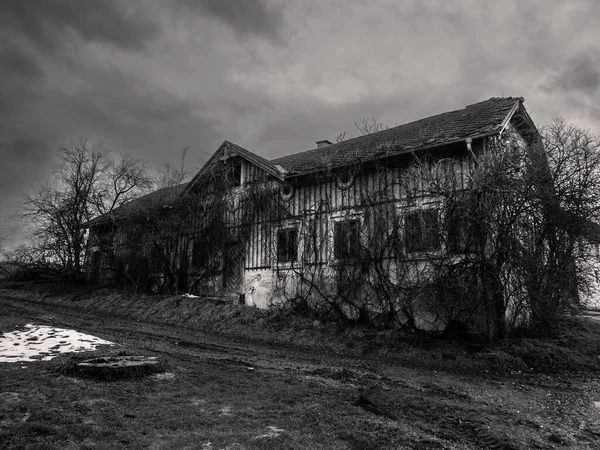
[[254, 166]]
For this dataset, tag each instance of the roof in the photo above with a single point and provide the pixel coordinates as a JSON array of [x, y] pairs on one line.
[[477, 120], [159, 197]]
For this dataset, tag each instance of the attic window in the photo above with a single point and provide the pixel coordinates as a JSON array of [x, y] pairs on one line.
[[234, 173]]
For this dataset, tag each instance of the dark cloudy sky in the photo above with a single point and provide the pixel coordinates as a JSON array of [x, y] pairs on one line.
[[153, 76]]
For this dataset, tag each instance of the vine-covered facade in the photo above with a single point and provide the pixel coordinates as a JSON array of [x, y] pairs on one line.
[[349, 228]]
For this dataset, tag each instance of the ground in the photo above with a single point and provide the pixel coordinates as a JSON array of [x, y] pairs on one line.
[[258, 385]]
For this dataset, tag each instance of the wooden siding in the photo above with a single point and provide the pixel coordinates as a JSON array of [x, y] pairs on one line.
[[322, 198]]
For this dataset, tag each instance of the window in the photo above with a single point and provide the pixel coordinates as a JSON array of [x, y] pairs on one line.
[[286, 192], [421, 231], [287, 245], [236, 174], [345, 179], [200, 255], [346, 239]]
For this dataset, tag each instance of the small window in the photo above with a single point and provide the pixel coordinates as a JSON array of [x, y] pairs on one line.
[[234, 173], [421, 231], [346, 239], [345, 179], [237, 174], [286, 192], [200, 255], [287, 245]]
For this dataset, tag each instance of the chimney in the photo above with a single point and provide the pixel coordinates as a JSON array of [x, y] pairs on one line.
[[323, 143]]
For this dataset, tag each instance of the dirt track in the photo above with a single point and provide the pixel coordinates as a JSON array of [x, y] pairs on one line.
[[323, 398]]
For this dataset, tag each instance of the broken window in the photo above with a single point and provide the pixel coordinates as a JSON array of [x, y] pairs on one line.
[[421, 231], [287, 245], [346, 239]]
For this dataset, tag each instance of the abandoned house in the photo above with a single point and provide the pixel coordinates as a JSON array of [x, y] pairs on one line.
[[352, 226]]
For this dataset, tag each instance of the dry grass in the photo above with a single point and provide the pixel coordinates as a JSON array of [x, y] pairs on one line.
[[215, 400]]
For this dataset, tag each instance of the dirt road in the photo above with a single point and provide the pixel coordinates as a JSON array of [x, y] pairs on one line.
[[225, 391]]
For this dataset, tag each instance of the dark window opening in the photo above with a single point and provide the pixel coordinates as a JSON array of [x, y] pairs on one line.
[[287, 191], [421, 231], [287, 245], [346, 239], [236, 174]]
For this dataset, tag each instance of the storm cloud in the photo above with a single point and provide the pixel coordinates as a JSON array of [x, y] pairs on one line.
[[583, 75], [256, 17], [150, 77]]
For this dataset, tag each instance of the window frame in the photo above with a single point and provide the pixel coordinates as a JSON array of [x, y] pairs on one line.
[[351, 252], [291, 251], [422, 248]]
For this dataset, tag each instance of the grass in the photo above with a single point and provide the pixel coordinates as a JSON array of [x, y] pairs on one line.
[[194, 410], [574, 347], [219, 403]]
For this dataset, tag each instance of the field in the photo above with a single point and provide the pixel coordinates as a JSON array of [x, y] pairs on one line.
[[240, 378]]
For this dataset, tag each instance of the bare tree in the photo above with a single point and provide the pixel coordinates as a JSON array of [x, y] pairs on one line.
[[87, 181], [370, 125]]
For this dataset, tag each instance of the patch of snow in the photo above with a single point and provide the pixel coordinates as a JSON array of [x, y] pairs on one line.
[[226, 411], [42, 343], [190, 296], [164, 376]]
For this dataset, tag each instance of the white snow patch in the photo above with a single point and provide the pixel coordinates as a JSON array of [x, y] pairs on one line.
[[42, 343], [188, 295], [164, 376]]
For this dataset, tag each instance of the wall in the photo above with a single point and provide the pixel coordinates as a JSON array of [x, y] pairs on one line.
[[324, 200]]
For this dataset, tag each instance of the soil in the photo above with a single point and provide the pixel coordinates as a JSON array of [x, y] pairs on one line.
[[253, 385]]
